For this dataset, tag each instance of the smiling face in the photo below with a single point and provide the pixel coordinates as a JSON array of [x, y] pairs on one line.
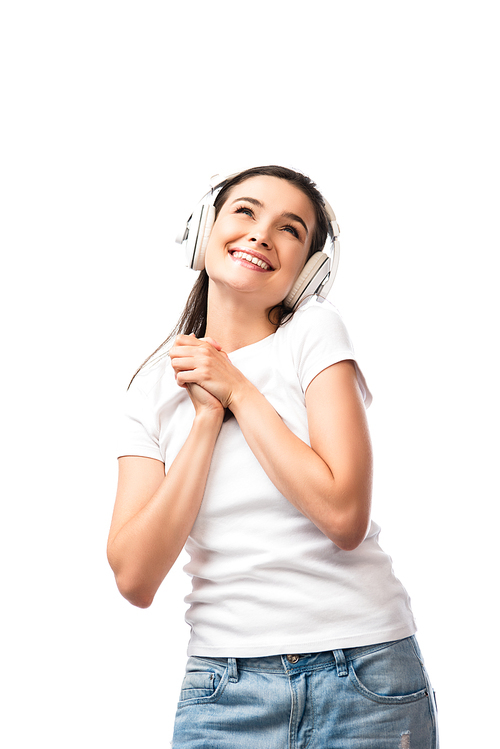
[[261, 239]]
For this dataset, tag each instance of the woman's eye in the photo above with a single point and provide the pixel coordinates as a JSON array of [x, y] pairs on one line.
[[244, 209], [292, 230]]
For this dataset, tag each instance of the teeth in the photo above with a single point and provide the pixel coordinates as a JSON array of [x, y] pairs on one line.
[[252, 259]]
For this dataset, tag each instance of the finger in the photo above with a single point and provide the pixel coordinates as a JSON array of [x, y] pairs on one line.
[[189, 340], [187, 376], [212, 342], [183, 340], [183, 351], [183, 362]]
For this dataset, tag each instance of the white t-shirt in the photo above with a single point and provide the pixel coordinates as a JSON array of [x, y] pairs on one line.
[[265, 579]]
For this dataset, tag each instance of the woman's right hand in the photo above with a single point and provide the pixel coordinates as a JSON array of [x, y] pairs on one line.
[[203, 400]]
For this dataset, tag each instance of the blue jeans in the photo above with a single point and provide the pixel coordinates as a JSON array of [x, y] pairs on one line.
[[373, 697]]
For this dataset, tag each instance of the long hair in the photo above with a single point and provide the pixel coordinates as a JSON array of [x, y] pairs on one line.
[[194, 315]]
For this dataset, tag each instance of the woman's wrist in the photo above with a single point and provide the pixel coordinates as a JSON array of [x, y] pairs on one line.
[[242, 396], [208, 417]]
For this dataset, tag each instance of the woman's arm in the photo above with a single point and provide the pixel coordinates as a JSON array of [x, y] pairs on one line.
[[154, 513], [329, 482]]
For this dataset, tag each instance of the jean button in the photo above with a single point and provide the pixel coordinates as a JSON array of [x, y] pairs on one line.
[[292, 658]]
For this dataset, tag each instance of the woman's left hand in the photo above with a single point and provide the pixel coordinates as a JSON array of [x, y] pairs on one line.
[[201, 360]]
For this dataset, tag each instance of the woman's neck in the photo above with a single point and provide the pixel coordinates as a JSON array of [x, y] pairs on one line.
[[234, 323]]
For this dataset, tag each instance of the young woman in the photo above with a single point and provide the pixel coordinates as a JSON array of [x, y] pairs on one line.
[[246, 441]]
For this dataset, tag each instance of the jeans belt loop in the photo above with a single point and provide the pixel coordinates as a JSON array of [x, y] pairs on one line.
[[232, 669], [341, 662]]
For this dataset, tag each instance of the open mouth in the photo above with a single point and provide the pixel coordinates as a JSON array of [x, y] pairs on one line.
[[251, 258]]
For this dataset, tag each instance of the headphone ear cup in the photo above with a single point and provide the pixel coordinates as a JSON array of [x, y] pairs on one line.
[[196, 250], [310, 279]]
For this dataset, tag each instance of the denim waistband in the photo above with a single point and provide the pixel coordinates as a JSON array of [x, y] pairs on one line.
[[299, 661]]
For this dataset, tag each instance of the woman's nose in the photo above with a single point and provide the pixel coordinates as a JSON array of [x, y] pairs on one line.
[[259, 241], [261, 237]]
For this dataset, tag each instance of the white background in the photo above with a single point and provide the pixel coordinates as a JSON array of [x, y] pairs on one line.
[[114, 116]]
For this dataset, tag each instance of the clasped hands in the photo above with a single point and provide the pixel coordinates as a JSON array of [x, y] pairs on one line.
[[201, 363]]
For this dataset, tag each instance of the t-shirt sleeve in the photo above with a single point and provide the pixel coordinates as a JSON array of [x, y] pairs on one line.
[[138, 432], [320, 339]]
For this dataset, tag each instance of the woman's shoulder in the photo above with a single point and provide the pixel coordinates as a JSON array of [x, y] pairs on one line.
[[317, 337], [317, 316], [317, 305]]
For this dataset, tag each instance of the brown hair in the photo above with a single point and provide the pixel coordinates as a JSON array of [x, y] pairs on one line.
[[194, 315]]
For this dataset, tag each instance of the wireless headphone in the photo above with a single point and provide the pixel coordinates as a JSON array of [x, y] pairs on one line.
[[317, 275]]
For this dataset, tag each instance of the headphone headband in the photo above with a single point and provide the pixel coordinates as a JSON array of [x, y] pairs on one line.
[[316, 277]]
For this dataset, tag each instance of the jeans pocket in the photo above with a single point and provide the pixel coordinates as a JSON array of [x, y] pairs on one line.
[[203, 682], [392, 674]]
